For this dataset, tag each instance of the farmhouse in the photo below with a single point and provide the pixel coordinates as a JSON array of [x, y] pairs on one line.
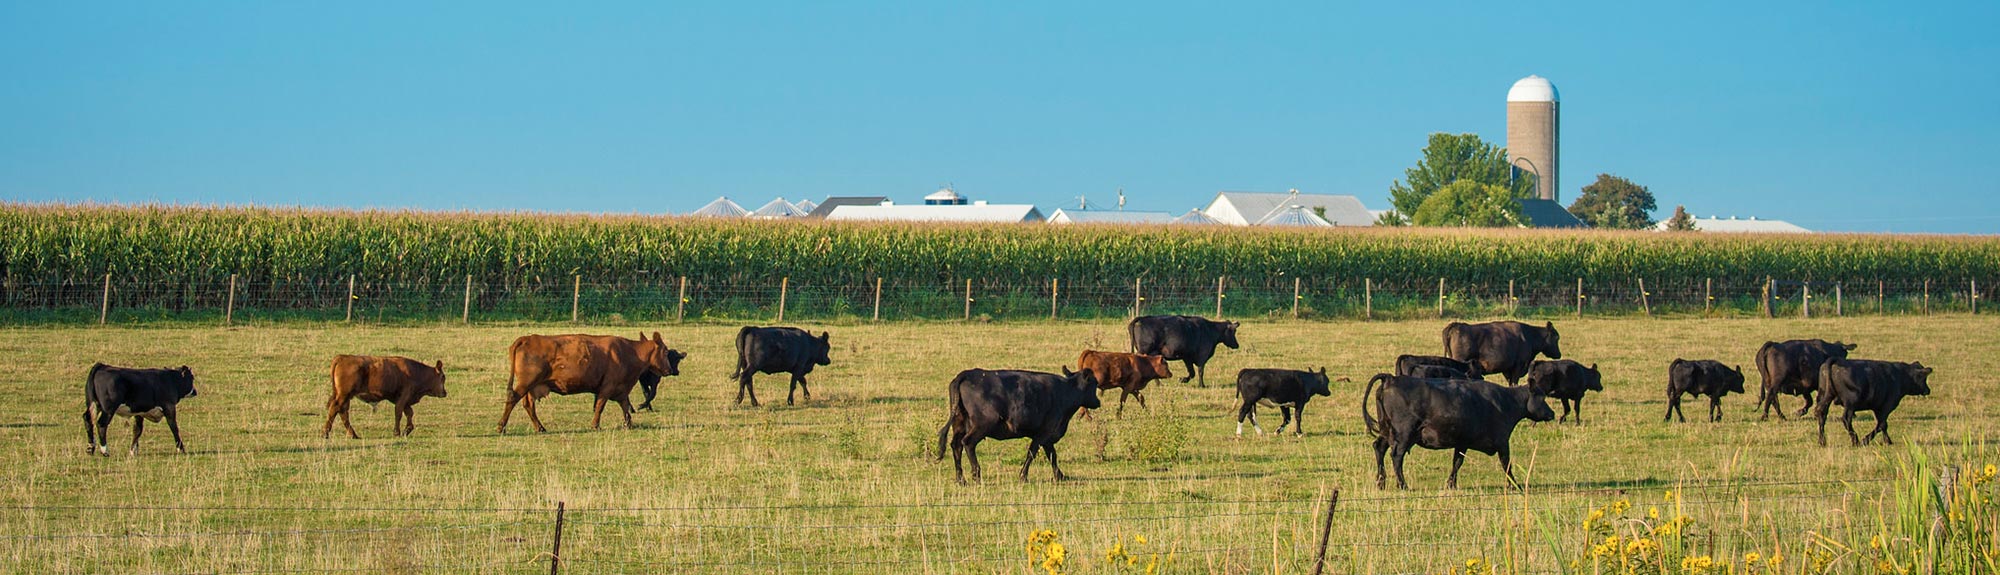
[[1069, 216], [1750, 225], [1254, 208]]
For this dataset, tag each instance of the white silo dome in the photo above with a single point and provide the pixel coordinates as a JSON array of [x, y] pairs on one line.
[[1533, 89]]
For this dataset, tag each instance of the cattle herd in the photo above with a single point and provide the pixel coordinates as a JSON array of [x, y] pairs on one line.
[[1434, 402]]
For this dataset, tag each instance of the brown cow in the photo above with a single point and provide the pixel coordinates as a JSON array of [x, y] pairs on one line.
[[603, 365], [1126, 371], [373, 379]]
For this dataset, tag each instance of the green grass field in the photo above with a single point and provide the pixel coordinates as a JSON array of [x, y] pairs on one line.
[[845, 483]]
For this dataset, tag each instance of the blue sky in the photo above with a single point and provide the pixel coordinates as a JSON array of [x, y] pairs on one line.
[[1838, 116]]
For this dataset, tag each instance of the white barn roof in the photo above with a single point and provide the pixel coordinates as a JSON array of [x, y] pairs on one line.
[[1067, 216], [1743, 226], [1009, 213], [1248, 208], [721, 208]]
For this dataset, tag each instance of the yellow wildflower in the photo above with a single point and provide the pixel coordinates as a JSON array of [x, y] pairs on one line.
[[1653, 512], [1751, 558]]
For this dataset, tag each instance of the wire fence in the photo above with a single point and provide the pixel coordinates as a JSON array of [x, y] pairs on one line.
[[660, 299], [1369, 530]]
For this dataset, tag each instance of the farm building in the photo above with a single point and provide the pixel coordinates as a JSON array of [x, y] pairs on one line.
[[1750, 225], [778, 208], [1195, 217], [824, 208], [1069, 216], [974, 212], [1549, 214], [1249, 208], [1297, 216], [721, 208]]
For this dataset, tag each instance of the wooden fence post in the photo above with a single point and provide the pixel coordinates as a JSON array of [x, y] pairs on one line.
[[350, 298], [575, 298], [1367, 298], [1218, 296], [1055, 288], [1838, 311], [1805, 300], [1881, 295], [968, 299], [878, 299], [1579, 298], [1440, 297], [104, 312], [1645, 299], [229, 309], [555, 550], [680, 307], [1769, 310], [1326, 532], [1137, 301], [1295, 297], [784, 290], [1927, 297], [1707, 295], [1513, 303], [1975, 297], [465, 315]]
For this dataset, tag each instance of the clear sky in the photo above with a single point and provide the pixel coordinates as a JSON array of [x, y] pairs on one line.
[[1873, 116]]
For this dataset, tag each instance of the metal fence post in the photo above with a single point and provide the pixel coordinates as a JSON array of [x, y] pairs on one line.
[[229, 309], [1326, 532], [350, 298], [555, 548], [784, 290], [104, 312]]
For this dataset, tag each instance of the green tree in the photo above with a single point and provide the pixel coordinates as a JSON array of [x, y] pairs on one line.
[[1615, 203], [1449, 158], [1472, 204], [1681, 222]]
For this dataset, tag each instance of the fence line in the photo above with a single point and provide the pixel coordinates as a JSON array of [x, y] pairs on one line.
[[662, 298]]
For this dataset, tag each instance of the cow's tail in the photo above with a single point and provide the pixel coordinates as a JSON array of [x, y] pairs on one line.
[[742, 352], [90, 390], [513, 362], [1132, 333], [1374, 425], [1450, 329], [954, 414]]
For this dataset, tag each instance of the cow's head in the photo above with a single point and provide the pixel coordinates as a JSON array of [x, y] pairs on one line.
[[1085, 384], [432, 384], [824, 346], [1156, 366], [1317, 383], [1733, 380], [1538, 406], [1592, 379], [1551, 341], [184, 384], [660, 359], [1228, 329], [1920, 379]]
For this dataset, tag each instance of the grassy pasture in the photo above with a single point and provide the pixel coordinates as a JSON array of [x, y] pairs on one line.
[[844, 483]]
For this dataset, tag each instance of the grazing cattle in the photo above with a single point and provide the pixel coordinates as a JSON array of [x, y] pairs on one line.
[[778, 350], [1011, 404], [1701, 377], [1285, 389], [649, 384], [1792, 368], [1408, 366], [602, 365], [1507, 348], [1455, 414], [1878, 386], [1185, 338], [401, 380], [1128, 372], [140, 394], [1565, 380]]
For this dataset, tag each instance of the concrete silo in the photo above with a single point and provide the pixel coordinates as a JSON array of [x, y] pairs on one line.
[[1534, 120]]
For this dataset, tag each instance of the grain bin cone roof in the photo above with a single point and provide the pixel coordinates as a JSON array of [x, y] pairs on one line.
[[1532, 89], [1195, 217], [721, 208], [778, 208], [1294, 216]]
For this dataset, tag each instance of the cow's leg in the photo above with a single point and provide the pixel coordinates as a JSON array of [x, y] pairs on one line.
[[1190, 371], [512, 398], [89, 432], [1673, 401], [138, 425], [174, 425], [1285, 415], [1847, 419], [104, 430], [1882, 427], [1248, 411], [1057, 467], [1715, 408], [625, 403], [396, 424], [528, 402], [332, 410], [597, 411], [794, 390], [1507, 466], [743, 385], [1142, 399], [1201, 373], [957, 451], [1764, 404], [1122, 394], [1381, 448], [1808, 395], [1565, 413], [1402, 448], [972, 453], [1299, 425], [409, 420], [804, 389], [1457, 459], [1030, 461], [1579, 410]]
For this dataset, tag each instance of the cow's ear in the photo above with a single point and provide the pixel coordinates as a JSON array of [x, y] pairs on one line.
[[1067, 372], [656, 336], [1551, 326], [1849, 346], [187, 373], [1593, 367], [439, 367], [825, 336]]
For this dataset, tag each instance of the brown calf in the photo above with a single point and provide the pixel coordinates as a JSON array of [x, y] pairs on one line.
[[373, 379], [1125, 371], [602, 365]]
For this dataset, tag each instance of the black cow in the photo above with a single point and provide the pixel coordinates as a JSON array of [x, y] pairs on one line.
[[778, 350], [1792, 368], [1565, 380], [1701, 377], [1009, 404], [1455, 414], [1408, 366], [1285, 389], [1507, 348], [1878, 386], [1186, 338], [141, 394]]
